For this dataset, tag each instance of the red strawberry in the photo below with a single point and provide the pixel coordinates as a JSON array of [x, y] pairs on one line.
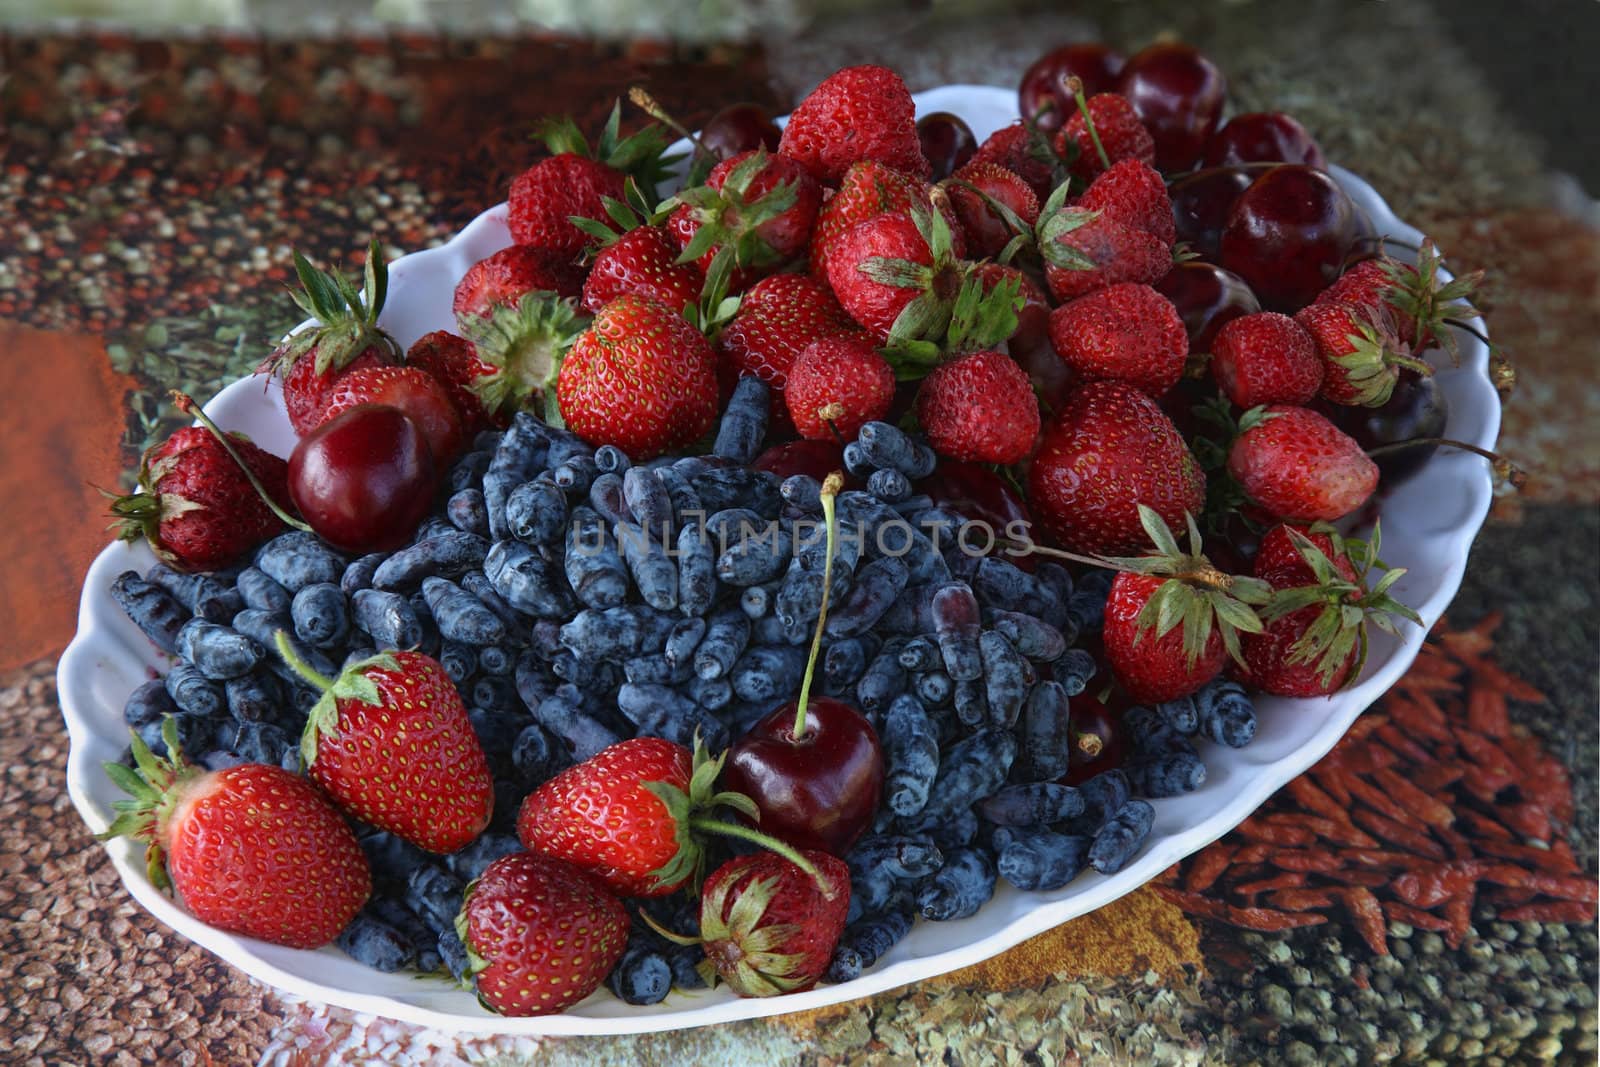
[[1026, 154], [253, 849], [1173, 619], [520, 348], [842, 380], [870, 189], [1421, 305], [767, 926], [390, 741], [195, 506], [1315, 639], [504, 278], [987, 232], [542, 934], [1127, 332], [1265, 358], [1361, 357], [1367, 285], [641, 378], [1097, 252], [856, 113], [1132, 194], [758, 206], [875, 300], [979, 408], [453, 362], [346, 336], [411, 389], [643, 261], [1120, 133], [1299, 466], [777, 318], [1110, 449]]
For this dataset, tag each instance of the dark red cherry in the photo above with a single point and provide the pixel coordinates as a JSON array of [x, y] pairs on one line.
[[1416, 409], [363, 480], [816, 458], [976, 492], [1099, 742], [1178, 94], [947, 142], [1289, 235], [1206, 297], [819, 790], [1201, 203], [1042, 96], [1030, 347], [740, 128], [1263, 137]]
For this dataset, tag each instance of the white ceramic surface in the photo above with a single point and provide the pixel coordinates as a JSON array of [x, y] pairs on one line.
[[1428, 527]]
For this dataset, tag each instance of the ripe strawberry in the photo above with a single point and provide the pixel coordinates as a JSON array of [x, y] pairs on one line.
[[1421, 304], [1095, 252], [986, 230], [1120, 132], [867, 190], [1110, 449], [195, 506], [1265, 358], [391, 743], [642, 261], [1172, 619], [842, 380], [542, 934], [641, 378], [411, 389], [253, 849], [1025, 153], [1368, 286], [346, 336], [856, 113], [1361, 357], [759, 207], [1132, 194], [453, 362], [767, 926], [778, 318], [1126, 332], [1299, 466], [520, 349], [979, 408], [504, 278], [1315, 638]]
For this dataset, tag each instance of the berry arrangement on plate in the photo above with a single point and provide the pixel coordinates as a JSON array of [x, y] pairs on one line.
[[758, 571]]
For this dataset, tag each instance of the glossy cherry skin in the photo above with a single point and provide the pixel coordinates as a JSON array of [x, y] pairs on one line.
[[1207, 297], [1042, 96], [740, 128], [1178, 94], [819, 790], [1099, 742], [947, 142], [363, 480], [1263, 137], [1290, 234], [1200, 205], [1416, 409], [816, 458], [976, 492]]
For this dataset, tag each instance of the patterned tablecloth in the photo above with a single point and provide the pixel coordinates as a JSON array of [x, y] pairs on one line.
[[153, 190]]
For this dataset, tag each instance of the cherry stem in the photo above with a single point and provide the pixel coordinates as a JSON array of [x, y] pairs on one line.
[[1075, 87], [1479, 334], [1503, 467], [830, 489], [788, 852], [186, 404], [647, 103], [298, 665]]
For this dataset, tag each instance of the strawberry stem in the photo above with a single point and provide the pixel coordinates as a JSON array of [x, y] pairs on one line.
[[788, 852], [186, 404], [830, 489], [1075, 87], [299, 665]]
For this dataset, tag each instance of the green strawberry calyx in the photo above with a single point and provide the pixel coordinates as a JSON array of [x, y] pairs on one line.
[[353, 683], [1371, 366], [1433, 305], [640, 155], [524, 345], [1194, 594], [346, 318], [156, 785], [1345, 606], [729, 219], [139, 514]]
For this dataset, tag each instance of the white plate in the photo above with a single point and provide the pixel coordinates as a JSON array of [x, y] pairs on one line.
[[1428, 528]]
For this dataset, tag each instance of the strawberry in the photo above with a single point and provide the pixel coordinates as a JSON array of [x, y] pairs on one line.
[[1299, 466], [520, 349], [1315, 638], [1421, 305], [194, 504], [778, 318], [838, 380], [453, 362], [1172, 618], [979, 408], [346, 336], [1026, 153], [1361, 357], [411, 389], [1367, 285], [760, 208], [504, 278], [254, 849], [390, 741], [769, 927], [1132, 194], [1117, 129], [856, 113], [641, 378], [1110, 449], [540, 934], [642, 261], [1098, 252], [1125, 332], [987, 230], [1265, 358], [628, 815], [867, 190]]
